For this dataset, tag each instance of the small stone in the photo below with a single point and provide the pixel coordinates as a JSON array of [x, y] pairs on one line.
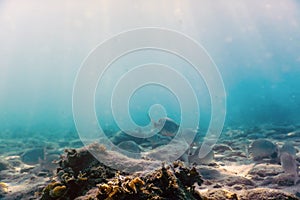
[[42, 173], [209, 173], [239, 181], [26, 169], [221, 148], [238, 187], [217, 186]]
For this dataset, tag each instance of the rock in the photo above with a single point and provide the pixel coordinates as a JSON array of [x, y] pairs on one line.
[[159, 140], [265, 194], [217, 194], [238, 187], [166, 126], [220, 148], [288, 147], [284, 180], [208, 173], [239, 180], [15, 162], [130, 149], [290, 165], [4, 165], [49, 163], [164, 153], [32, 156], [26, 169], [195, 158], [263, 148], [266, 170], [121, 136]]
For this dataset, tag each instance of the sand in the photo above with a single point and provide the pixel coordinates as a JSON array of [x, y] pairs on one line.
[[231, 175]]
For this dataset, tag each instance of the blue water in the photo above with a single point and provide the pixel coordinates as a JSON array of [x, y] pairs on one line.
[[255, 46]]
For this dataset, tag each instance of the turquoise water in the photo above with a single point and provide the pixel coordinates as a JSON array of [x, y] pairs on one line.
[[255, 46]]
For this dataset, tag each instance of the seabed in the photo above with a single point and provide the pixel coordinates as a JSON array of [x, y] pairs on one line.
[[56, 168]]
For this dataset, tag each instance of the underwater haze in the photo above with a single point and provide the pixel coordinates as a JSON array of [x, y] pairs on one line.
[[172, 99], [254, 44]]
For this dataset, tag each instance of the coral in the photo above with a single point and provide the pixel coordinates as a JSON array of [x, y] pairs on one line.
[[120, 188], [53, 190], [79, 174], [173, 181], [58, 191]]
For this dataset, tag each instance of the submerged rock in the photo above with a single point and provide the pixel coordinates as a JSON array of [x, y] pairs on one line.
[[265, 194], [195, 159], [218, 194], [167, 126], [81, 176], [33, 156], [265, 170], [121, 136], [262, 148], [130, 149], [290, 165], [4, 165], [288, 147], [130, 146]]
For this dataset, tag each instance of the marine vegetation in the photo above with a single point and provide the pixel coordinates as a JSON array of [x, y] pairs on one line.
[[81, 176]]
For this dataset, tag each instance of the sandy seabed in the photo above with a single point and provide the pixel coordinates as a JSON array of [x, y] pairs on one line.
[[27, 171]]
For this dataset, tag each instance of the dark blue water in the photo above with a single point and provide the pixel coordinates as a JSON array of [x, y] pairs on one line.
[[255, 46]]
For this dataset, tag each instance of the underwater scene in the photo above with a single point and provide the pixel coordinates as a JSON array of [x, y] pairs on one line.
[[150, 100]]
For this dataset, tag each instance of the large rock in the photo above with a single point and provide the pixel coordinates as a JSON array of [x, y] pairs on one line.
[[33, 156]]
